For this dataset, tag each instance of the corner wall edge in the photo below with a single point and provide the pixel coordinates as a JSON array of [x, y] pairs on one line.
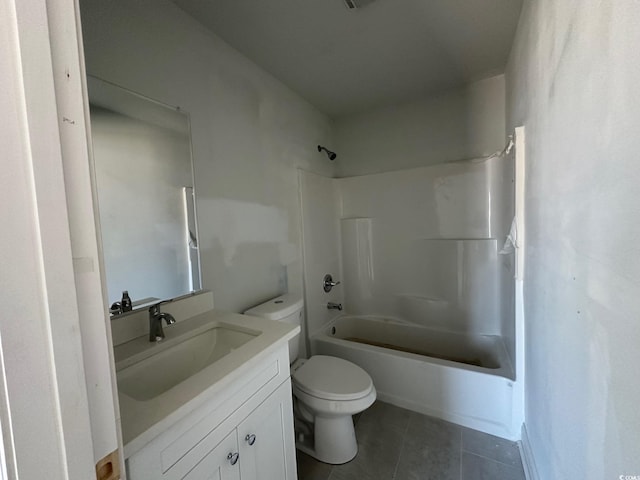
[[526, 453]]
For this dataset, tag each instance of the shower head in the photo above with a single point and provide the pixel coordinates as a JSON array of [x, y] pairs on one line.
[[330, 154]]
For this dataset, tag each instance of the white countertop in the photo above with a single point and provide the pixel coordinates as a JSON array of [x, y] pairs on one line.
[[143, 420]]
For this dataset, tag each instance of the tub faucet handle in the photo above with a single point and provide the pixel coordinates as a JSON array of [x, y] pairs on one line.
[[328, 283], [334, 306]]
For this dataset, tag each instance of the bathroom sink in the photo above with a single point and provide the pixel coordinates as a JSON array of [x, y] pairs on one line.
[[199, 358], [170, 366]]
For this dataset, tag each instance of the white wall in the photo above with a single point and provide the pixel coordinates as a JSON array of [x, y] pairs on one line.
[[455, 125], [572, 80], [249, 134]]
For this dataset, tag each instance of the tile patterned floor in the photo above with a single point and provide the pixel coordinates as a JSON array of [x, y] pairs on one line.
[[397, 444]]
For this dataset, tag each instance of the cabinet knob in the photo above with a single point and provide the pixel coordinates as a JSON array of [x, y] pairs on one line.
[[250, 439], [233, 458]]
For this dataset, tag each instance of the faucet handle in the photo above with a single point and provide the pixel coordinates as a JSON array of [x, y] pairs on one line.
[[115, 308], [328, 283], [155, 308]]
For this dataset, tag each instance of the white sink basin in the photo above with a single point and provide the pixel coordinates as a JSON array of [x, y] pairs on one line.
[[171, 366], [159, 383]]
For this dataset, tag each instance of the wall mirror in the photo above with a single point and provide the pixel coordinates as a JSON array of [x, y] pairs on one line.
[[144, 179]]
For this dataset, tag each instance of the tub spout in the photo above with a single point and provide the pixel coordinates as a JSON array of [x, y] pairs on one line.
[[334, 306]]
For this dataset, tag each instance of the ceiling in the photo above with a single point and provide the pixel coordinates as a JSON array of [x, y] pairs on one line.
[[386, 52]]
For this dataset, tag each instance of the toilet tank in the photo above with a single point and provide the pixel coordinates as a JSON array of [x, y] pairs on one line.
[[285, 308]]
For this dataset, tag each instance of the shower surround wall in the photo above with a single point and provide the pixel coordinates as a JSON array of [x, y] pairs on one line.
[[422, 245]]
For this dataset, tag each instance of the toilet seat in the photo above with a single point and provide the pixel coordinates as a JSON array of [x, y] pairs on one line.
[[332, 378]]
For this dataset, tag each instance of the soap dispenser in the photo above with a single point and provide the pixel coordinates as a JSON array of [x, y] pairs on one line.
[[125, 303]]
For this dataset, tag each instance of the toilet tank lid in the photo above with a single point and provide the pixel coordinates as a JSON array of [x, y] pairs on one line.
[[277, 308]]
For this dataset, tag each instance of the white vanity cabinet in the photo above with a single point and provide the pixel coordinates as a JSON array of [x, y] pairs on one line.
[[257, 448], [266, 439], [243, 432]]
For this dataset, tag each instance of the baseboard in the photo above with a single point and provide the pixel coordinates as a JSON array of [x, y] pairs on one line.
[[526, 453]]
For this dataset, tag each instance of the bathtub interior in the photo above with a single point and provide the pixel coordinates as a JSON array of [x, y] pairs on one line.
[[478, 352]]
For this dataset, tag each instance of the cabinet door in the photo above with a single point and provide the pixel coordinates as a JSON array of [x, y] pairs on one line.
[[222, 463], [266, 438]]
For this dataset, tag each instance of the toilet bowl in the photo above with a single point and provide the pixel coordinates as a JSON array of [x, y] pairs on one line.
[[327, 391]]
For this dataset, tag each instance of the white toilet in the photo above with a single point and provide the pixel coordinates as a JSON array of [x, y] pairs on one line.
[[329, 390]]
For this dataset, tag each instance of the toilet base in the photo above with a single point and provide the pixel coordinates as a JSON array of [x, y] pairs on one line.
[[334, 440]]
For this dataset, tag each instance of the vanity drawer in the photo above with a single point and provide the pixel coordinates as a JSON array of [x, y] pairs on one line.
[[176, 451]]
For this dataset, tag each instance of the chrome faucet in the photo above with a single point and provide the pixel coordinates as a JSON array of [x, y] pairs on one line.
[[334, 306], [155, 322]]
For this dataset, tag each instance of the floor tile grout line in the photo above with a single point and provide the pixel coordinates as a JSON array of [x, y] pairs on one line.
[[490, 459], [404, 440], [464, 450]]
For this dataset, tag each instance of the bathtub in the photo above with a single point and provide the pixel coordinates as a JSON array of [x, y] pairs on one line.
[[465, 379]]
